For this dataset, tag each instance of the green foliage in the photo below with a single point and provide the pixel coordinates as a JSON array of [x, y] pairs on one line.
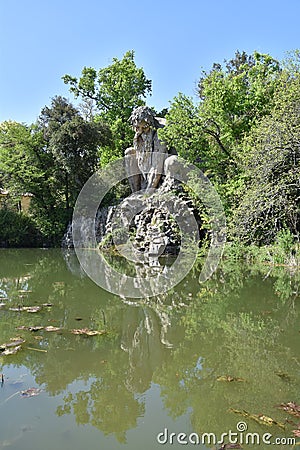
[[283, 252], [285, 240], [74, 145], [243, 133], [18, 230], [183, 131], [25, 165], [52, 160], [232, 99], [270, 201], [115, 90]]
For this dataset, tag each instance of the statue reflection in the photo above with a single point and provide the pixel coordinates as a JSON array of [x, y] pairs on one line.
[[144, 338], [145, 325]]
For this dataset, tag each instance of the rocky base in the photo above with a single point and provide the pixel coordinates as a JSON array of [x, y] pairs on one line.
[[150, 220], [147, 220]]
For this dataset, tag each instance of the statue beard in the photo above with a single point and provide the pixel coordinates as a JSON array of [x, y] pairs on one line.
[[143, 143]]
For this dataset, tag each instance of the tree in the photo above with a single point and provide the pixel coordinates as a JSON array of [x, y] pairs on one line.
[[232, 99], [271, 200], [25, 167], [183, 131], [74, 144], [52, 160], [116, 90]]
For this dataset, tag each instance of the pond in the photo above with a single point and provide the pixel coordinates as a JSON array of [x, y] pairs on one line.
[[210, 358]]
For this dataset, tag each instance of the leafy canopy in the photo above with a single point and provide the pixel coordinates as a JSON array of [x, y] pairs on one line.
[[271, 157], [115, 90], [52, 160]]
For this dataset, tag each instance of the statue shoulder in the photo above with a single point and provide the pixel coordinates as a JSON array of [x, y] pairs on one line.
[[129, 151], [162, 122]]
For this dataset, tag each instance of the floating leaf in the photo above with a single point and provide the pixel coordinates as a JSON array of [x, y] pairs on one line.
[[229, 378], [87, 332], [11, 351], [267, 419], [31, 392], [14, 342], [23, 327], [34, 329], [51, 328], [261, 418], [291, 408], [30, 309]]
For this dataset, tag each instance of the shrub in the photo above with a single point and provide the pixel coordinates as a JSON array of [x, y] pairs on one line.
[[18, 230]]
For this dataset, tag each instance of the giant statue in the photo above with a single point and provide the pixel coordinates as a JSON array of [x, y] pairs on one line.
[[146, 161]]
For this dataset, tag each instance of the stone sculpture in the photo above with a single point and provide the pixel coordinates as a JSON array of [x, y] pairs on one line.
[[144, 224], [145, 161]]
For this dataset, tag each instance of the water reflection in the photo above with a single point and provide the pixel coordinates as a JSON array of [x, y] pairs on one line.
[[244, 323]]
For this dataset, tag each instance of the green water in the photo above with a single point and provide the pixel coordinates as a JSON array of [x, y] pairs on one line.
[[158, 364]]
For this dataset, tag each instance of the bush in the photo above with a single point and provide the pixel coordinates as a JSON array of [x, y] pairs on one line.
[[18, 230]]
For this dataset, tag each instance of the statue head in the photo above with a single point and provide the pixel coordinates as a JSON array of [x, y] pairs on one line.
[[143, 120]]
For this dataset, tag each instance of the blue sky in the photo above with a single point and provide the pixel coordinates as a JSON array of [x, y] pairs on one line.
[[40, 41]]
